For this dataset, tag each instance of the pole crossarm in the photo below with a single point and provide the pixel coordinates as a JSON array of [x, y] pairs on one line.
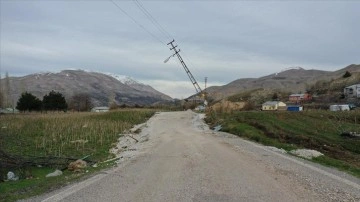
[[191, 77]]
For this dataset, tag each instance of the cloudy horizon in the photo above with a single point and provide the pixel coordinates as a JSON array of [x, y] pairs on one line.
[[221, 40]]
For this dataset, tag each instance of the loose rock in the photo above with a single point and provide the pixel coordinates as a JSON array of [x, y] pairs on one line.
[[55, 173], [12, 177]]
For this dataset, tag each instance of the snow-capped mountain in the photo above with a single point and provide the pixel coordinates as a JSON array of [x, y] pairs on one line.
[[133, 83], [127, 80]]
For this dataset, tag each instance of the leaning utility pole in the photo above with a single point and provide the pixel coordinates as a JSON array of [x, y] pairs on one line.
[[191, 77]]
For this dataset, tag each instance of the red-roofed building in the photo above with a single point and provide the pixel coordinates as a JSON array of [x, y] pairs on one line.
[[298, 98]]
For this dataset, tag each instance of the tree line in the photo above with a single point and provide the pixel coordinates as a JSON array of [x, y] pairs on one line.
[[53, 101]]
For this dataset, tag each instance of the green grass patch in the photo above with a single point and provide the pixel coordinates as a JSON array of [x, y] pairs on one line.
[[38, 184], [67, 135], [318, 130], [341, 165]]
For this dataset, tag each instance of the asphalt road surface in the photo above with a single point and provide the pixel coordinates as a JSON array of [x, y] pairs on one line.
[[180, 159]]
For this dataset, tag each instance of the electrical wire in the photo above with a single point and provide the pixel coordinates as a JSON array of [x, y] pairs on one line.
[[152, 19], [136, 22], [147, 14]]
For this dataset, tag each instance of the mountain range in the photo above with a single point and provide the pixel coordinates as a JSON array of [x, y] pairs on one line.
[[103, 89], [293, 80]]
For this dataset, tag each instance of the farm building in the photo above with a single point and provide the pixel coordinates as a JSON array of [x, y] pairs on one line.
[[297, 98], [352, 91], [294, 108], [100, 109], [273, 105]]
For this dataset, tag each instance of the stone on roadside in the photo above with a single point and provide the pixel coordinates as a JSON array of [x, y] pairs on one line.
[[217, 128], [55, 173], [11, 176]]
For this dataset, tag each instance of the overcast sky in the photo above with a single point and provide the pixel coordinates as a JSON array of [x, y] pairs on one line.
[[221, 40]]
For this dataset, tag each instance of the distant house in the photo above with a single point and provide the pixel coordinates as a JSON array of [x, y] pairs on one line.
[[298, 98], [100, 109], [352, 91], [273, 105]]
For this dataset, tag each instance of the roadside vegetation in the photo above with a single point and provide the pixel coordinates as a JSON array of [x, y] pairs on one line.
[[58, 136], [318, 130]]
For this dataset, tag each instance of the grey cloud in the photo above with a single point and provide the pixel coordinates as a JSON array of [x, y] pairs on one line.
[[222, 40]]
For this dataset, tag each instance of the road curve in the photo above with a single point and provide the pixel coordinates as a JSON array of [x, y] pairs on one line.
[[182, 160]]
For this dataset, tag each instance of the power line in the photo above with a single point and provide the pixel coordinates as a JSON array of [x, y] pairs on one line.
[[136, 22], [152, 19], [165, 34]]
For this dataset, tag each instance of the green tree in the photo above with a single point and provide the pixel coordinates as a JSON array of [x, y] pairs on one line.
[[275, 97], [1, 99], [28, 102], [54, 101], [347, 74]]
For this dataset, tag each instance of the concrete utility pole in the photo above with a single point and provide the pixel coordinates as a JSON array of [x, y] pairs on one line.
[[191, 77], [205, 82], [206, 78]]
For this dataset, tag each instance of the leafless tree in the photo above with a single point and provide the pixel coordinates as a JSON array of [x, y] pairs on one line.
[[80, 102]]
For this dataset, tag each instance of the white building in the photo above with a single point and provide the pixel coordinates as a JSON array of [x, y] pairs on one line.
[[352, 91], [273, 105], [100, 109], [335, 108], [8, 111]]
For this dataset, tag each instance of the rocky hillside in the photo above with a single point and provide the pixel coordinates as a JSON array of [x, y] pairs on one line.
[[293, 80], [102, 89]]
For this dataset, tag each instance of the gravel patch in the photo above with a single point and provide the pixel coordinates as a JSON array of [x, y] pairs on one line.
[[130, 143]]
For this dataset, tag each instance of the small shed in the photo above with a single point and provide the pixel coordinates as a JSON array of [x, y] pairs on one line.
[[340, 107], [273, 105], [100, 109], [295, 108]]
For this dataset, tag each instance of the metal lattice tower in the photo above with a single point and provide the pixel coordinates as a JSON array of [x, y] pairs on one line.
[[191, 77]]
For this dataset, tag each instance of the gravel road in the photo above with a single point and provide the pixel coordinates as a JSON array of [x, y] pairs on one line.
[[180, 159]]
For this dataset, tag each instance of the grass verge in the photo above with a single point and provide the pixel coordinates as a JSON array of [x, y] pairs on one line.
[[318, 130]]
